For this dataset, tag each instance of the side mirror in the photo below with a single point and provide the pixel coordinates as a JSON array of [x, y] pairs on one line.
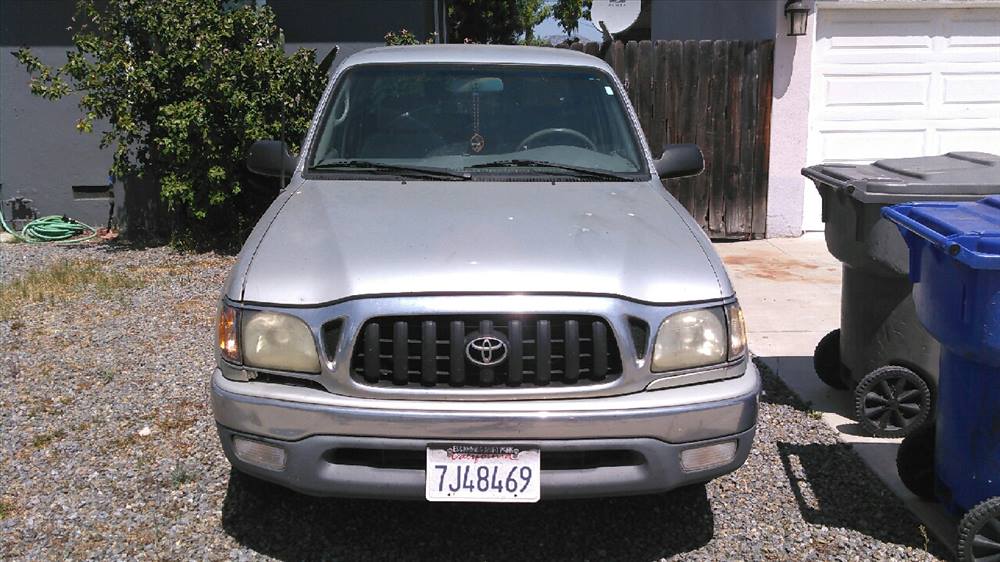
[[270, 158], [327, 62], [680, 160]]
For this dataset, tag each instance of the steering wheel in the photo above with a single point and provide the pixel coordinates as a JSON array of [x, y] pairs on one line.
[[523, 145]]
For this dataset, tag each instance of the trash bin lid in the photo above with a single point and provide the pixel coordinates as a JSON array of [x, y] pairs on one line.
[[969, 232], [951, 176]]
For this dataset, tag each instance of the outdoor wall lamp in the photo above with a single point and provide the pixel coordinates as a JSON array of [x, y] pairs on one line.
[[798, 16]]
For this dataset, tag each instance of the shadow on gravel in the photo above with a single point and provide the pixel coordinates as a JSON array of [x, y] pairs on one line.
[[288, 526], [834, 488], [773, 391], [123, 244], [223, 248], [800, 368]]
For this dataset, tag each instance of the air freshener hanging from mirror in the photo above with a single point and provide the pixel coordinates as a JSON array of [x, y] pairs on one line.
[[477, 143]]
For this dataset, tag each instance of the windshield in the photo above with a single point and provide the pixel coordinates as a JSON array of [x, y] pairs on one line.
[[439, 119]]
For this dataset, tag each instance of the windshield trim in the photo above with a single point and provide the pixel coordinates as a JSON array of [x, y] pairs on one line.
[[643, 174]]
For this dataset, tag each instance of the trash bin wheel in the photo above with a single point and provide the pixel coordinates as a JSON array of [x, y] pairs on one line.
[[892, 402], [915, 461], [979, 532], [826, 361]]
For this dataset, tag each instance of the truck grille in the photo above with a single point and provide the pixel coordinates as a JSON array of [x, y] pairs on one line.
[[509, 351]]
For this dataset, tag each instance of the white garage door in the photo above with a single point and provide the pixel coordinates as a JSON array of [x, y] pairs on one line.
[[891, 83]]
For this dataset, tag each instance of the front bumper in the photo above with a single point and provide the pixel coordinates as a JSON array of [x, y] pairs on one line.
[[655, 427]]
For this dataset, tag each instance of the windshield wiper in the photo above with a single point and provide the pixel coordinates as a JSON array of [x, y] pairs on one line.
[[395, 169], [577, 170]]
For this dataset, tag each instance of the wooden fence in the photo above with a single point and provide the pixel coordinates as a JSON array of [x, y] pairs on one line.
[[716, 94]]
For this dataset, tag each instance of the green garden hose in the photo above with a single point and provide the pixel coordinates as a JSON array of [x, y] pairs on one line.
[[53, 228]]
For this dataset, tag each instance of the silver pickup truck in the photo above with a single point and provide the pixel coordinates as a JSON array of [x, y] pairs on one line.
[[475, 288]]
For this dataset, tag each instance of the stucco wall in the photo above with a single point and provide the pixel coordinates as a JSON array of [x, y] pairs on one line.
[[354, 25], [42, 155], [789, 127], [713, 19]]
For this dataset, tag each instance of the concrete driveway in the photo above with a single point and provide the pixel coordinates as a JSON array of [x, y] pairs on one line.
[[790, 292]]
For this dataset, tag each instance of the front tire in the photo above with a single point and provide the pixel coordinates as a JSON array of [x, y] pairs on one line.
[[915, 461], [979, 533], [826, 361], [892, 402]]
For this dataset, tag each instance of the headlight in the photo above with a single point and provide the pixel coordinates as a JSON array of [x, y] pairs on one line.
[[278, 341], [693, 338]]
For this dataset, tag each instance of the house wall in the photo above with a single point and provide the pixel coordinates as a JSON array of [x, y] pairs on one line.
[[713, 19], [354, 25], [789, 126], [42, 155]]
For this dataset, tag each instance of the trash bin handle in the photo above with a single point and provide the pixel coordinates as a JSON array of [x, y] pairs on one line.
[[817, 175], [921, 230]]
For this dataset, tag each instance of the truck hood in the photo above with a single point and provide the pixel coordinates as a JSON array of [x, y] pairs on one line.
[[333, 240]]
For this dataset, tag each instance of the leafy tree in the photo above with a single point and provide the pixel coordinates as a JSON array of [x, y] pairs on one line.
[[531, 13], [184, 89], [569, 12], [483, 21], [495, 21]]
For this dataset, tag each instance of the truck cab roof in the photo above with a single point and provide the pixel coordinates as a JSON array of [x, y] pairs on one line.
[[475, 54]]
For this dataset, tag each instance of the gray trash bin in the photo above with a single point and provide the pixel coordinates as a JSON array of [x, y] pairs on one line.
[[881, 350]]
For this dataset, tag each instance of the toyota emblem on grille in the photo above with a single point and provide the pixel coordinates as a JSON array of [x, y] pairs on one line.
[[486, 351]]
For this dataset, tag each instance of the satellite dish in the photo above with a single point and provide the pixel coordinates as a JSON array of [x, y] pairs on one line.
[[617, 15]]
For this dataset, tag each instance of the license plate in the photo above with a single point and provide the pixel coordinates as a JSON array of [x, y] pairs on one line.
[[482, 473]]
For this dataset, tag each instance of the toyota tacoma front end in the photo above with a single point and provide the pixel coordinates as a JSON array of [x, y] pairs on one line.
[[476, 288]]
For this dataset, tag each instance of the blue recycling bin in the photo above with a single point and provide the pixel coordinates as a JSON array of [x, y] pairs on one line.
[[955, 267]]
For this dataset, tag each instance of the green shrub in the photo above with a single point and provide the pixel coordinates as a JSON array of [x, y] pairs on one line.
[[184, 89], [405, 37]]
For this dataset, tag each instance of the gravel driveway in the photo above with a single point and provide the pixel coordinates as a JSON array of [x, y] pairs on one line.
[[109, 451]]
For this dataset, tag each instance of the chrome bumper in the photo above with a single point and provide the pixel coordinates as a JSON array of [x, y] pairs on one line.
[[311, 469], [657, 425], [677, 415]]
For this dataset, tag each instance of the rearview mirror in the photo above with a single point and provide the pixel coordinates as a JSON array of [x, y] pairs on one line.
[[270, 158], [680, 160]]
